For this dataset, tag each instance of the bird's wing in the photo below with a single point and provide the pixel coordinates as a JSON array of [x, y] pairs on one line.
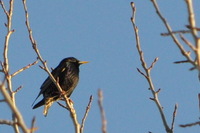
[[48, 81]]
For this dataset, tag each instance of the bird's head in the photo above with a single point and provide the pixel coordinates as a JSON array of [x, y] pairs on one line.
[[72, 61]]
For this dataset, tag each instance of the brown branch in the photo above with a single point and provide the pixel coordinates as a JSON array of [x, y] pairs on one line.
[[142, 73], [192, 26], [24, 68], [2, 100], [190, 124], [174, 116], [176, 32], [72, 114], [180, 46], [33, 129], [188, 43], [34, 45], [16, 113], [153, 63], [60, 104], [182, 61], [147, 72], [103, 116], [191, 18], [8, 93], [4, 8], [7, 122], [86, 114], [19, 88], [199, 101]]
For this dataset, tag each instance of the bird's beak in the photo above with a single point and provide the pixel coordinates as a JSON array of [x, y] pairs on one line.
[[83, 62]]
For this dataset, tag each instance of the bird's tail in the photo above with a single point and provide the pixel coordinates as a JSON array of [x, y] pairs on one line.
[[40, 103]]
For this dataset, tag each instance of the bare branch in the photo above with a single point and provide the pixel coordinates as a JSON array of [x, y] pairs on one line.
[[141, 73], [2, 100], [14, 109], [147, 74], [19, 88], [188, 43], [60, 104], [24, 68], [4, 8], [174, 116], [180, 46], [33, 129], [86, 114], [199, 101], [183, 61], [34, 45], [153, 63], [191, 18], [190, 124], [103, 116], [7, 122], [176, 32]]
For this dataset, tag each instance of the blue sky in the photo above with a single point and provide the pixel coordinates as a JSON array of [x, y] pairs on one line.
[[101, 32]]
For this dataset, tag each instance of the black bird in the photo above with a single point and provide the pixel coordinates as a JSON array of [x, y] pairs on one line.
[[67, 73]]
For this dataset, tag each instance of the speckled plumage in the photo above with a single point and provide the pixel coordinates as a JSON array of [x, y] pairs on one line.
[[67, 73]]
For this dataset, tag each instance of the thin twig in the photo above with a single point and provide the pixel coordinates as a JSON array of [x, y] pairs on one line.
[[142, 73], [176, 32], [103, 116], [17, 114], [7, 122], [174, 116], [86, 114], [192, 25], [8, 93], [60, 104], [182, 61], [4, 8], [19, 88], [190, 124], [199, 102], [72, 114], [153, 63], [24, 68], [180, 46], [191, 18], [147, 71], [34, 45], [33, 128], [188, 43], [2, 100]]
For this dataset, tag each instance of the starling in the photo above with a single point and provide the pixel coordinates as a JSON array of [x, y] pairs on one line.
[[67, 74]]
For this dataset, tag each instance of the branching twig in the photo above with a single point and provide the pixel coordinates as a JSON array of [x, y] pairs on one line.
[[86, 113], [180, 46], [7, 122], [188, 43], [174, 116], [147, 74], [60, 104], [33, 129], [17, 114], [103, 116], [34, 45], [190, 124], [176, 32], [4, 8], [24, 68], [19, 88], [8, 93]]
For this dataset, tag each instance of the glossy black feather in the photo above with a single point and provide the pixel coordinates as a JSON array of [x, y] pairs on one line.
[[67, 73]]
